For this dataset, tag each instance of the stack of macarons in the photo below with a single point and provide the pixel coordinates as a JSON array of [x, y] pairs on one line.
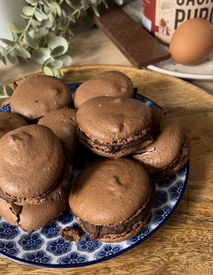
[[37, 144], [119, 125], [33, 175], [113, 196]]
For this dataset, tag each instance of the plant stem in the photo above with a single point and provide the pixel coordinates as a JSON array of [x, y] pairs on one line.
[[26, 28]]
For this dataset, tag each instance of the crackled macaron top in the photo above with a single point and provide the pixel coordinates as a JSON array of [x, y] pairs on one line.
[[111, 83], [113, 125], [10, 121], [31, 161], [63, 124], [108, 195], [32, 217], [37, 95], [169, 151]]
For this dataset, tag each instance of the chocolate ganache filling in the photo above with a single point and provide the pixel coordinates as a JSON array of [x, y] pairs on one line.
[[100, 231], [113, 148]]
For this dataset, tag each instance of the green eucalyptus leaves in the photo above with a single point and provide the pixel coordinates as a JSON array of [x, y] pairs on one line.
[[46, 35]]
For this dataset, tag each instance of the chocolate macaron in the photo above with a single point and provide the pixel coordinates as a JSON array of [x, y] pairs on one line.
[[112, 199], [111, 83], [169, 151], [62, 122], [31, 162], [114, 126], [35, 181], [32, 217], [39, 94], [10, 121]]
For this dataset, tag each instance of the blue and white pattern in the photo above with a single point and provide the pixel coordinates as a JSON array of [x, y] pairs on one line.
[[8, 231], [73, 258], [51, 230], [8, 248], [108, 250], [31, 242], [46, 248], [88, 245], [5, 109], [59, 246], [37, 257], [145, 232], [66, 217]]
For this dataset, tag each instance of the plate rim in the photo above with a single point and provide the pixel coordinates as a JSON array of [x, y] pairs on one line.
[[179, 74]]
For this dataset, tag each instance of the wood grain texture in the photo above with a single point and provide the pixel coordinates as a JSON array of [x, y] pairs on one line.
[[184, 244], [88, 47]]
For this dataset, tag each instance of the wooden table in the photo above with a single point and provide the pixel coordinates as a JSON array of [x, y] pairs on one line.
[[89, 47], [184, 244]]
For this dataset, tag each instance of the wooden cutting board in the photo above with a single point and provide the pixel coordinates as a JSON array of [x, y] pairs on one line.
[[184, 244]]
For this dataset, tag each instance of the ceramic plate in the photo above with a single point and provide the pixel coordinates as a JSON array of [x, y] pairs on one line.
[[46, 248], [203, 71]]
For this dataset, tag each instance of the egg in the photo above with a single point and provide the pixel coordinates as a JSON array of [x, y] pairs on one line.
[[192, 42]]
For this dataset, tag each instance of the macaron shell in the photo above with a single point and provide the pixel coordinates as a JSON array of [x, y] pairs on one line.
[[109, 191], [37, 95], [33, 217], [111, 83], [58, 192], [31, 160], [115, 118], [122, 79], [62, 123], [166, 148], [10, 121], [177, 165], [9, 211]]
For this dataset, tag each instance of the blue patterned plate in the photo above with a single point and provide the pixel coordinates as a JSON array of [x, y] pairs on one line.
[[46, 248]]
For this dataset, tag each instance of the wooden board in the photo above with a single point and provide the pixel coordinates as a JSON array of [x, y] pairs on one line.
[[184, 244]]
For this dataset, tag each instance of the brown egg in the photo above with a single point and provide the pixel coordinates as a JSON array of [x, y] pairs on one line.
[[192, 42]]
